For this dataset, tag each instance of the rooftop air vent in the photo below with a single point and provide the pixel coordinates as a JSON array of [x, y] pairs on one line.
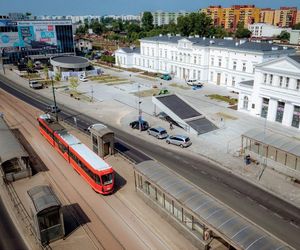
[[236, 44], [274, 48], [177, 34], [212, 42], [160, 35], [285, 47], [204, 38], [197, 36]]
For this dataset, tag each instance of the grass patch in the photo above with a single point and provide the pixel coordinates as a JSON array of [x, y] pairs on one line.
[[78, 95], [146, 93], [228, 99], [32, 76], [150, 74], [178, 86]]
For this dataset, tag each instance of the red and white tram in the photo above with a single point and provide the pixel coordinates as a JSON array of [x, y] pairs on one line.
[[97, 173]]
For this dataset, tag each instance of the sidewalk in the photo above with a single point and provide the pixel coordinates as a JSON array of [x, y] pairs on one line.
[[117, 106]]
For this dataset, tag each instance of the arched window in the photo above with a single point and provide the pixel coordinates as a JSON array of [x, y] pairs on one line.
[[246, 102]]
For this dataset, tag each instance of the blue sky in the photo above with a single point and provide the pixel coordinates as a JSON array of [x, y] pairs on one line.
[[102, 7]]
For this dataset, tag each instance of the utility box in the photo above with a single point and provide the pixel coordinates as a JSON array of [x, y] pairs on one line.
[[103, 140]]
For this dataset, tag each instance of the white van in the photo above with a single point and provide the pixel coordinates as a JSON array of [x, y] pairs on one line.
[[193, 82], [35, 85]]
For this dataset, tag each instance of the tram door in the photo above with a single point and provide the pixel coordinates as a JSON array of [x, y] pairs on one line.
[[106, 147]]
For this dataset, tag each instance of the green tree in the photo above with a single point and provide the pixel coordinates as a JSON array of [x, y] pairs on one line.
[[219, 32], [284, 36], [30, 65], [97, 27], [147, 21], [46, 72], [296, 26], [57, 76], [183, 26], [81, 30], [73, 83], [242, 32]]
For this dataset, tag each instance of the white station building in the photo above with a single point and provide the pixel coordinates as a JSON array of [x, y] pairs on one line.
[[267, 76], [217, 61], [275, 91]]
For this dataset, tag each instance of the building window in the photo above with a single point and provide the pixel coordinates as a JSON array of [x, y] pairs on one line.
[[212, 61], [152, 51], [233, 81], [246, 102], [199, 60], [244, 67], [296, 117], [280, 81], [271, 79], [195, 59], [280, 110], [160, 52], [166, 54], [220, 62], [287, 82], [226, 77], [199, 74], [265, 78], [234, 65], [298, 84], [264, 108]]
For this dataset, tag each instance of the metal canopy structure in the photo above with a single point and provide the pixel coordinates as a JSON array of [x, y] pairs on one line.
[[43, 198], [184, 114], [284, 143], [223, 221], [10, 147]]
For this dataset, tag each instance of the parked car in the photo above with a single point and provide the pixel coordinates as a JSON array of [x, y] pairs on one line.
[[166, 77], [100, 125], [83, 79], [35, 85], [158, 132], [53, 109], [136, 125], [193, 82], [179, 140]]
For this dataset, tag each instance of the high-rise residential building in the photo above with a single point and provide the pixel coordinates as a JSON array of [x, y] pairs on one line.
[[231, 16], [285, 16], [298, 17], [164, 18], [215, 12], [267, 16]]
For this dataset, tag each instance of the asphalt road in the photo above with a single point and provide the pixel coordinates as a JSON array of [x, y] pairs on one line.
[[9, 236], [264, 209]]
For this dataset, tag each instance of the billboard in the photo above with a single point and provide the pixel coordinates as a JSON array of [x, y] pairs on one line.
[[9, 40], [45, 33], [26, 35]]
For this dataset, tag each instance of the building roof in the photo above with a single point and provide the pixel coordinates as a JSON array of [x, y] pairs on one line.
[[248, 83], [241, 233], [281, 142], [296, 58], [222, 43], [131, 50], [42, 198], [10, 147], [70, 59]]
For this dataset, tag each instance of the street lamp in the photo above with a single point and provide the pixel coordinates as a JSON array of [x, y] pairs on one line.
[[54, 99], [264, 158], [139, 108]]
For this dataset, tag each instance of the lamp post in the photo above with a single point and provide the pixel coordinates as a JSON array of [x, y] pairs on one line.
[[139, 108], [264, 158], [54, 99]]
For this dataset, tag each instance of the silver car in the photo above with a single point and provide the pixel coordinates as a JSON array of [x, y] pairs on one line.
[[179, 140], [158, 132]]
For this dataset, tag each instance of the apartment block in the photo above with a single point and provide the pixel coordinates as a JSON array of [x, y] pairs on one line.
[[285, 16]]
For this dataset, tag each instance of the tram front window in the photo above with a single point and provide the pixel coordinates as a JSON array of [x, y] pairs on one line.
[[107, 179]]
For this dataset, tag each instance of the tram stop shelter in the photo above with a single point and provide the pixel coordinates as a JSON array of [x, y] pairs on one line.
[[103, 140], [273, 149], [46, 211], [14, 160], [197, 215]]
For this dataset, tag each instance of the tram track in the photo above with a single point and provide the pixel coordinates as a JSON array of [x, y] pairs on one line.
[[200, 172], [110, 201]]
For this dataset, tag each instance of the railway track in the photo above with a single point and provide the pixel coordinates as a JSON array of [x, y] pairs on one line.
[[112, 201]]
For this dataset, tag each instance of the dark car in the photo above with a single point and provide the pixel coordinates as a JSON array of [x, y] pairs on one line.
[[136, 125], [166, 77]]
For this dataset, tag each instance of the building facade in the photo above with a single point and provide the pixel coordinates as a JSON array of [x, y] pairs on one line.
[[274, 93], [231, 16], [20, 38], [164, 18], [295, 37], [217, 61], [267, 16], [285, 16], [266, 30]]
